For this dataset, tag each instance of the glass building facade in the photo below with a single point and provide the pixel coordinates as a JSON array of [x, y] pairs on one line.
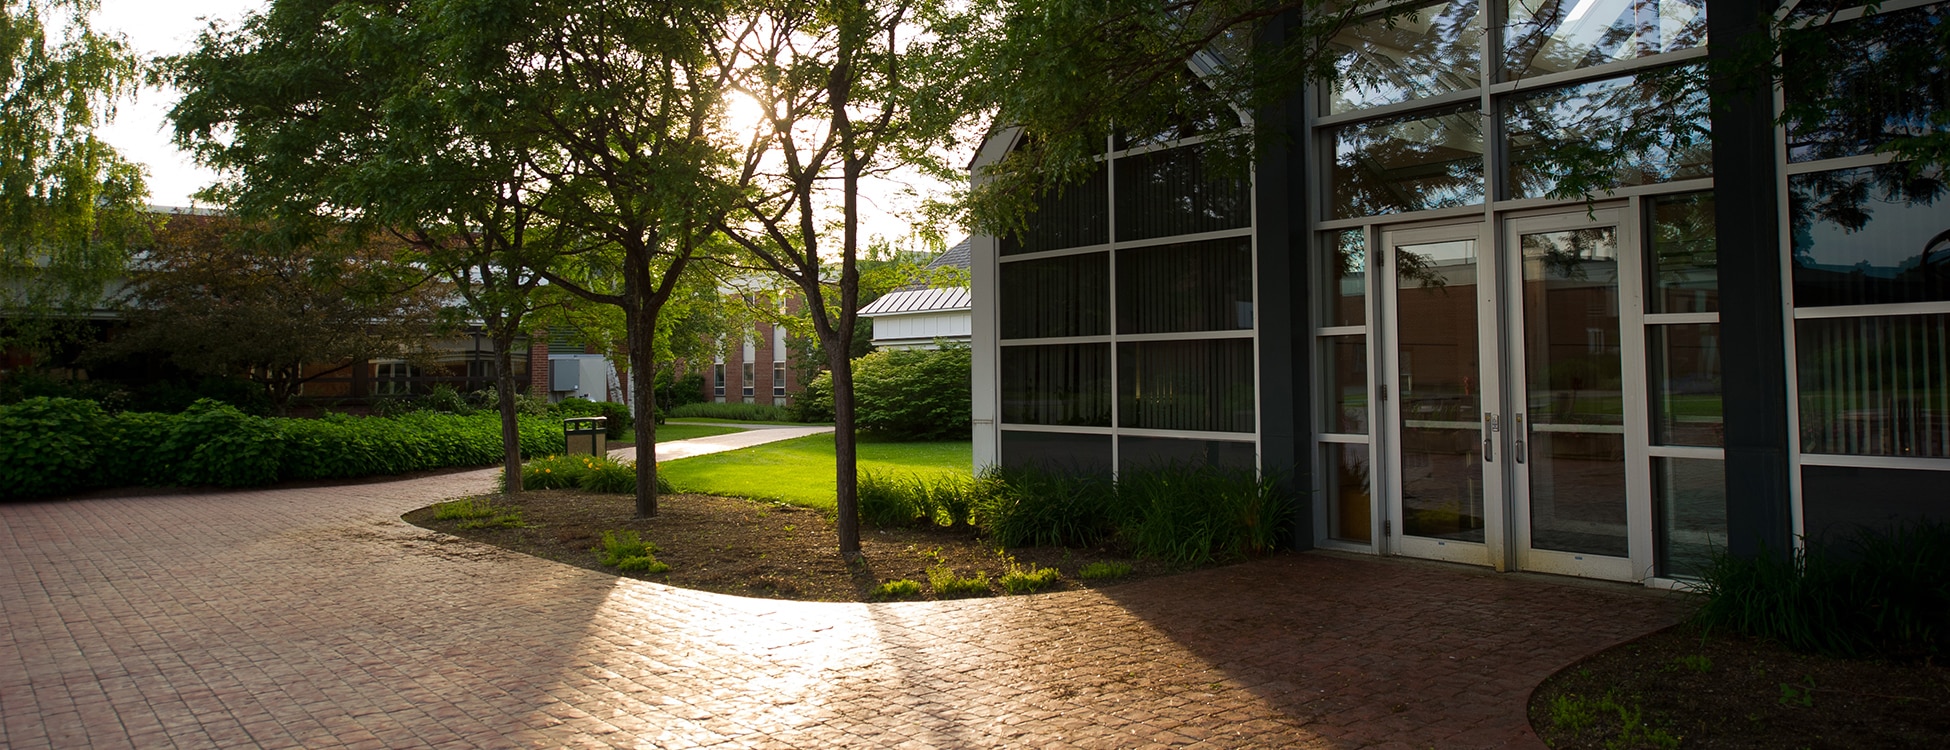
[[1520, 296]]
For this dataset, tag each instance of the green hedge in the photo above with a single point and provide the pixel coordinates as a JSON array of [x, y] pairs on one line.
[[52, 446], [914, 394]]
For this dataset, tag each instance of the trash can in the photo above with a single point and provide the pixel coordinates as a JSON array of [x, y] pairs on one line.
[[586, 436]]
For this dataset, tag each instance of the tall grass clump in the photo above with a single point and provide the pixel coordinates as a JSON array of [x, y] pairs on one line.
[[740, 412], [1180, 514], [894, 501], [600, 474], [1881, 593], [626, 551], [1039, 508]]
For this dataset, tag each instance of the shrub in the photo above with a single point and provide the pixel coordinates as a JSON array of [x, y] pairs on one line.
[[617, 423], [49, 446], [672, 393], [553, 473], [947, 585], [814, 404], [897, 589], [642, 564], [914, 394], [1873, 593], [734, 411], [1019, 581], [219, 445], [477, 513], [1103, 570]]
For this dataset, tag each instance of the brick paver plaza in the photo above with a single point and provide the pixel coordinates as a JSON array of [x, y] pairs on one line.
[[314, 617]]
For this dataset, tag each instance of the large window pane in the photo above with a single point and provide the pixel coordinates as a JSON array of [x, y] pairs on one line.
[[1349, 509], [1638, 130], [1683, 270], [1690, 496], [1873, 235], [1346, 277], [1062, 296], [1405, 54], [1179, 191], [1201, 286], [1186, 385], [1875, 386], [1888, 68], [1415, 163], [1089, 454], [1552, 36], [1344, 384], [1074, 215], [1152, 452], [1066, 384], [1685, 378]]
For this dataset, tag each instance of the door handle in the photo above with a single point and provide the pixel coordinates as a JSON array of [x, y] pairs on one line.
[[1489, 438], [1521, 433]]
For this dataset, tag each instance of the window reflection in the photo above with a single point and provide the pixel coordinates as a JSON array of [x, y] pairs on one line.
[[1347, 278], [1873, 235], [1582, 139], [1685, 374], [1345, 373], [1186, 385], [1406, 54], [1552, 36], [1683, 267], [1888, 67], [1414, 163], [1691, 500], [1349, 509]]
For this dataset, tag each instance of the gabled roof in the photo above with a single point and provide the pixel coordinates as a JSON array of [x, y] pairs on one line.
[[960, 256], [920, 301]]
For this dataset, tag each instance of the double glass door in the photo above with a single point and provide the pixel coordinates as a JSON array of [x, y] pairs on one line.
[[1509, 361]]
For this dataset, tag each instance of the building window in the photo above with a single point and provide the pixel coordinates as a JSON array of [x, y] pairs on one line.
[[778, 379], [749, 386], [393, 378], [717, 381]]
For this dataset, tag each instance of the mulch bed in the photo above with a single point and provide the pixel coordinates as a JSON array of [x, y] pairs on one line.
[[1724, 691], [760, 549]]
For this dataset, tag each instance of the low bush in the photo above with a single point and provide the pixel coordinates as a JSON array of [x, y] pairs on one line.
[[897, 589], [1103, 570], [57, 446], [740, 412], [600, 474], [675, 392], [947, 585], [1019, 581], [626, 551], [1873, 593], [1037, 508], [477, 513]]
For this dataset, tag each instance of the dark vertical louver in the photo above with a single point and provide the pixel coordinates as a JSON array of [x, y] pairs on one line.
[[1199, 286], [1063, 296], [1075, 215], [1186, 385], [1178, 191], [1062, 384]]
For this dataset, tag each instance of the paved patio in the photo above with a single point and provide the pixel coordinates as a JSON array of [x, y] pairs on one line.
[[313, 617]]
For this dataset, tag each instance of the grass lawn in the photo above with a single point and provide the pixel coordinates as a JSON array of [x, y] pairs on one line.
[[800, 471], [673, 432], [718, 420]]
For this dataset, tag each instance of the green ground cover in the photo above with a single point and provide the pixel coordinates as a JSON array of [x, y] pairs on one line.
[[667, 433], [800, 471]]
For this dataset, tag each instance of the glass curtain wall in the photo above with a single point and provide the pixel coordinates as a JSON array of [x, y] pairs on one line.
[[1868, 245], [1458, 110], [1126, 316]]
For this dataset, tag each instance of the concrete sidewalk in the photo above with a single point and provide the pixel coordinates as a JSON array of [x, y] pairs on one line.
[[752, 435]]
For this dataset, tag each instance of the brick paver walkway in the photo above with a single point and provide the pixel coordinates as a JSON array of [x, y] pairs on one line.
[[315, 618]]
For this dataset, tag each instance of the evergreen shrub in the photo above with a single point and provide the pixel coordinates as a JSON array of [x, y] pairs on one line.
[[914, 394]]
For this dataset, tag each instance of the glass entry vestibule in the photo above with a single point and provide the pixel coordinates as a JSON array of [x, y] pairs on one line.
[[1504, 397]]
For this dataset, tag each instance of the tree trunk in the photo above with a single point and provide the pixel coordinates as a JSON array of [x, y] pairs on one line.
[[846, 455], [640, 329], [504, 389]]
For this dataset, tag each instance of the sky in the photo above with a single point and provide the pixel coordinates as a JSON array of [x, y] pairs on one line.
[[163, 27]]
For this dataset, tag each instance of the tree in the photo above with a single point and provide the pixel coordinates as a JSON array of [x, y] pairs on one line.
[[69, 204], [222, 297], [343, 114], [845, 91]]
